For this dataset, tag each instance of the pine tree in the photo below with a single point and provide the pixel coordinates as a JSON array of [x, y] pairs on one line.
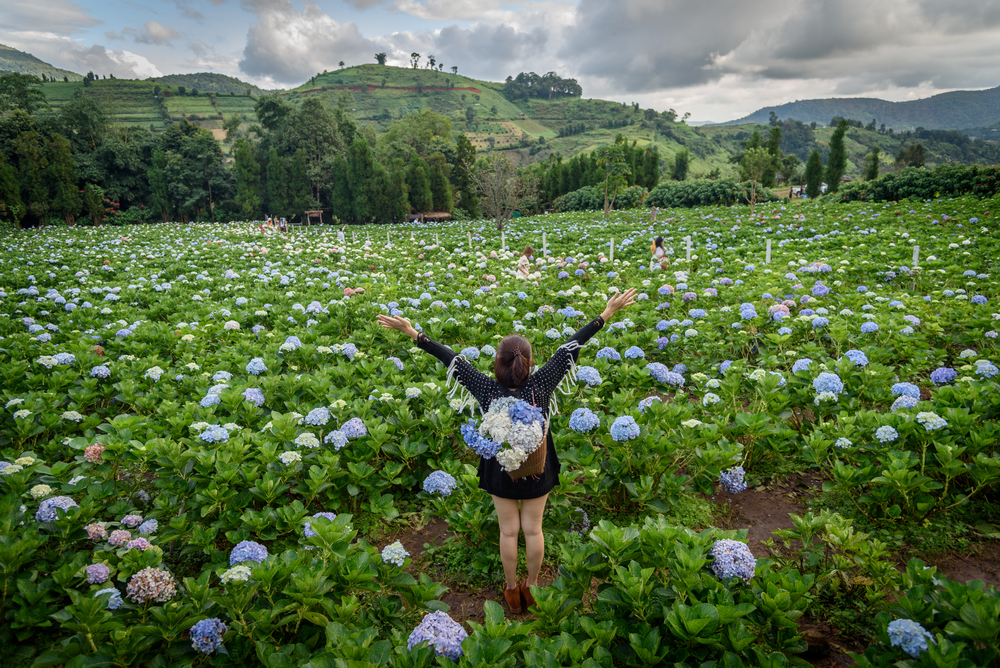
[[681, 161], [871, 168], [300, 197], [277, 184], [836, 163], [651, 167], [33, 173], [248, 187], [159, 198], [10, 195], [441, 193], [814, 174], [360, 179], [774, 148], [340, 191], [65, 194], [461, 176], [400, 201], [421, 198]]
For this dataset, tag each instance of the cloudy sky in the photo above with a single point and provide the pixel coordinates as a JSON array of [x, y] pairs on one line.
[[717, 59]]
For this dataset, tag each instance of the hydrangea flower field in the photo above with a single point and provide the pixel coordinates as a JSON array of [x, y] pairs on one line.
[[208, 447]]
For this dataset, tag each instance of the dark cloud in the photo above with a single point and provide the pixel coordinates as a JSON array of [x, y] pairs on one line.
[[290, 46], [488, 51]]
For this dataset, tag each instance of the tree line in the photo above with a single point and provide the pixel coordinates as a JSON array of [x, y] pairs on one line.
[[546, 86], [60, 166]]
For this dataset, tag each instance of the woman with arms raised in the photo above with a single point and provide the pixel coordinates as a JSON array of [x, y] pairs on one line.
[[519, 502]]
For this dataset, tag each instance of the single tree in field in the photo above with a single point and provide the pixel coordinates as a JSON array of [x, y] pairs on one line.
[[414, 59], [380, 58], [836, 164], [454, 69], [814, 174], [502, 189], [871, 164], [431, 61], [755, 163], [616, 170], [682, 160]]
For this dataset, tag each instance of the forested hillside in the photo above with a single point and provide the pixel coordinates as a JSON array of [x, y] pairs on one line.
[[12, 60]]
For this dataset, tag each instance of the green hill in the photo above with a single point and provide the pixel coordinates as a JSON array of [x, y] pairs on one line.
[[211, 82], [12, 60], [527, 130], [957, 110]]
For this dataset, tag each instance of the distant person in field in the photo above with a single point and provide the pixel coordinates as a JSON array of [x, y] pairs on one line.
[[520, 495], [524, 263], [659, 259], [340, 234]]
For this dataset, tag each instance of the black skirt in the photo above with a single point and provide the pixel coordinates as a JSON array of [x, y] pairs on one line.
[[497, 482]]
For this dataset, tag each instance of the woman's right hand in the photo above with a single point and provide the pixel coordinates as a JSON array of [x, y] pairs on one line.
[[617, 302], [398, 323]]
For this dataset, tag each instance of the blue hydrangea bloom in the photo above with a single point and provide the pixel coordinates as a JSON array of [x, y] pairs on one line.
[[318, 417], [886, 434], [820, 321], [624, 428], [635, 352], [801, 364], [724, 366], [869, 328], [943, 375], [470, 353], [647, 402], [909, 636], [115, 601], [482, 446], [525, 413], [354, 428], [206, 635], [857, 357], [906, 389], [610, 353], [247, 550], [395, 553], [588, 375], [214, 434], [440, 482], [398, 362], [100, 371], [441, 632], [733, 480], [149, 527], [221, 376], [903, 402], [309, 533], [828, 382], [336, 438], [48, 510], [733, 559], [254, 395], [583, 420], [210, 400], [256, 366]]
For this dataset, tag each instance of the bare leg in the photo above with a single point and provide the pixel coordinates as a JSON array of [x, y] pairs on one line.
[[534, 540], [510, 527]]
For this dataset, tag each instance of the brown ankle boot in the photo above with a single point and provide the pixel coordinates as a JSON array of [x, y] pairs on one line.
[[529, 600], [513, 597]]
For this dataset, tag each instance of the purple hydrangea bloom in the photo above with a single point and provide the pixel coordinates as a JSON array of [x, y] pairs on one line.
[[254, 395], [733, 480], [48, 510], [98, 573], [610, 353], [482, 446], [733, 559], [440, 482], [206, 635]]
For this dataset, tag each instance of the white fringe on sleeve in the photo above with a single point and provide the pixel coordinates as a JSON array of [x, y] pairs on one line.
[[460, 391], [567, 385]]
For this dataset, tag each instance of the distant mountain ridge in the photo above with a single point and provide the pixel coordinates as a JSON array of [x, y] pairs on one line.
[[957, 110], [12, 60]]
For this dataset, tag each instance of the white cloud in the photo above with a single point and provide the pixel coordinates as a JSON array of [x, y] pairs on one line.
[[289, 46], [61, 51], [57, 16]]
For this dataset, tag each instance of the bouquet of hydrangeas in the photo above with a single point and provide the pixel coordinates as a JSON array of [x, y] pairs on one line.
[[511, 431]]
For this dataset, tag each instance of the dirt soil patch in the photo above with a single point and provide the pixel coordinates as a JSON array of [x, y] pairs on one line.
[[766, 509], [983, 563]]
